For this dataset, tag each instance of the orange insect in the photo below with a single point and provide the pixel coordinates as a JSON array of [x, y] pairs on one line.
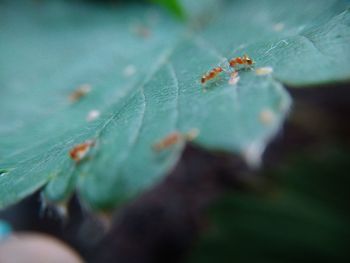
[[245, 60], [211, 74], [168, 141], [78, 152], [174, 138]]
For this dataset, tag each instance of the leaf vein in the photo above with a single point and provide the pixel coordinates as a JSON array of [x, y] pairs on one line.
[[176, 82]]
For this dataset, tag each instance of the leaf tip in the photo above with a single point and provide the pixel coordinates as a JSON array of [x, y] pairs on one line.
[[253, 154]]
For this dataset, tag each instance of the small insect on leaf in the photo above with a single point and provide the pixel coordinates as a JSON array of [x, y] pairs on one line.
[[211, 74], [169, 140], [80, 151], [244, 60], [80, 92], [174, 138]]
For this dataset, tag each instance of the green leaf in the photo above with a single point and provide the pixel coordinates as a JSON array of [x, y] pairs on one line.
[[144, 70], [304, 219]]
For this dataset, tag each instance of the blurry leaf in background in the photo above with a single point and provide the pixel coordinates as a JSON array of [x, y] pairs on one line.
[[141, 73], [173, 6], [305, 219]]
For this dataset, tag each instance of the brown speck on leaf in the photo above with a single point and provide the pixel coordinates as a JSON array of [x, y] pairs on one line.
[[174, 138], [80, 92]]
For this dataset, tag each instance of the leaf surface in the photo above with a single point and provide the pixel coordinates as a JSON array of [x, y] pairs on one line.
[[144, 70]]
